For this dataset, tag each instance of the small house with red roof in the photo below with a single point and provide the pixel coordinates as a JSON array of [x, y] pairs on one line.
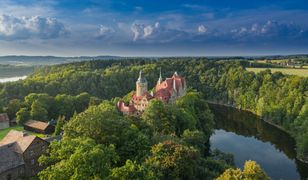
[[167, 91], [39, 127], [4, 121], [19, 153]]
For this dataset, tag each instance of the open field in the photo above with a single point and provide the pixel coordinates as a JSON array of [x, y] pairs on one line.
[[3, 132], [290, 71], [273, 61]]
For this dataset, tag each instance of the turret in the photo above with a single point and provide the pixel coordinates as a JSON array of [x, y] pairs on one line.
[[141, 85]]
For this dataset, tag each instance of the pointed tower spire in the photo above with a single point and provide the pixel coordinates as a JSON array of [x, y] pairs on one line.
[[141, 78], [140, 74], [160, 79], [174, 85]]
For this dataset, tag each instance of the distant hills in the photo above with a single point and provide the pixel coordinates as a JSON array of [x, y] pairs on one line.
[[51, 60], [48, 60]]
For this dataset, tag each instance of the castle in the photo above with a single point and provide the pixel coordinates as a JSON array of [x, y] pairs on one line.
[[167, 91]]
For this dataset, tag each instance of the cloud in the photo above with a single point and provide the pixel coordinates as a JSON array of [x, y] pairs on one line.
[[270, 29], [148, 30], [195, 7], [202, 29], [137, 30], [270, 32], [142, 31], [105, 31], [15, 28], [29, 8], [157, 33]]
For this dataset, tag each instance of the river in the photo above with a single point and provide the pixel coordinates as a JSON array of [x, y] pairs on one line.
[[11, 79], [248, 137]]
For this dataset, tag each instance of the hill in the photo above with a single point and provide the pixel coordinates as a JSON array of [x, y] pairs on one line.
[[48, 60]]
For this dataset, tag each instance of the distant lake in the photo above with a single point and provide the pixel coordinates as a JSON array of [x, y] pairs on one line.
[[248, 137], [11, 79]]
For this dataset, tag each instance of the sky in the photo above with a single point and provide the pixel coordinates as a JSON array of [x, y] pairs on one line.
[[153, 28]]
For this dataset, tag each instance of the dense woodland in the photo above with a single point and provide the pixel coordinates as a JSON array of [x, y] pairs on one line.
[[166, 142], [278, 98]]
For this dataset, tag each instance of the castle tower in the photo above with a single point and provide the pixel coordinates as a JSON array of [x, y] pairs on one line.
[[141, 85]]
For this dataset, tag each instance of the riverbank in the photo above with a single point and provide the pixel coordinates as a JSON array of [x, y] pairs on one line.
[[266, 120]]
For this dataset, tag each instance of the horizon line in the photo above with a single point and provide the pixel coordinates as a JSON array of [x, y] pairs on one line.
[[156, 56]]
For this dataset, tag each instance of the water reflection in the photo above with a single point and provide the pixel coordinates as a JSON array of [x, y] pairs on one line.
[[248, 137], [12, 79]]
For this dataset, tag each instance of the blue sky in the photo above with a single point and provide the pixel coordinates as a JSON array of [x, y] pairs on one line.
[[153, 28]]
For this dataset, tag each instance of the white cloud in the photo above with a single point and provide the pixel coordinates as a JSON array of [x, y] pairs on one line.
[[195, 7], [156, 33], [148, 30], [202, 29], [14, 28], [268, 29], [157, 25], [136, 29], [254, 28], [39, 8], [104, 31], [142, 31]]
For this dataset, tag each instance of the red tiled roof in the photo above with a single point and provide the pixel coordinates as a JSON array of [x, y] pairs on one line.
[[165, 89], [163, 94], [123, 108], [37, 124], [12, 148], [22, 140], [147, 95], [4, 117], [9, 159]]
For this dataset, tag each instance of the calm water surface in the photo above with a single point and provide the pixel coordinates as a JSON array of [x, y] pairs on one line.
[[249, 138], [11, 79]]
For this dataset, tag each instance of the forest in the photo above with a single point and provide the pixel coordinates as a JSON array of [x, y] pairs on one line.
[[166, 142], [277, 98]]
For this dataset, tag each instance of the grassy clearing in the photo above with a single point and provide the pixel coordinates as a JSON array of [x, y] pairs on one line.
[[3, 132], [272, 61], [289, 71]]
